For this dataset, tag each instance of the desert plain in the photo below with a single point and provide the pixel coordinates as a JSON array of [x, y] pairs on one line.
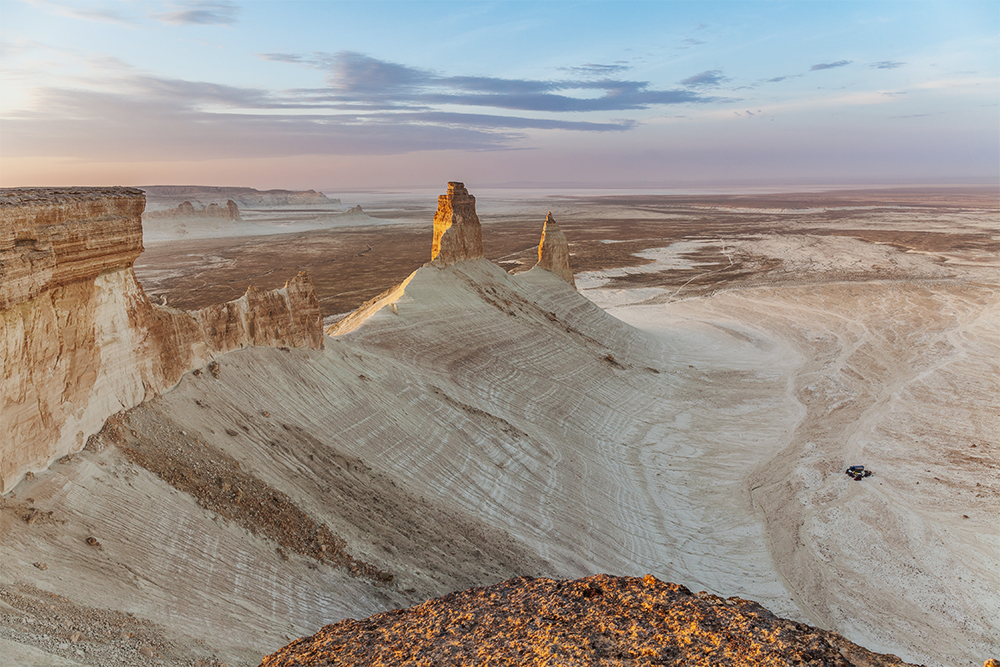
[[690, 418]]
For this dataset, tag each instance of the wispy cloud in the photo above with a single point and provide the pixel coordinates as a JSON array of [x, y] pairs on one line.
[[361, 80], [594, 69], [86, 123], [96, 12], [886, 64], [368, 106], [707, 79], [202, 12], [285, 58], [839, 63], [486, 121]]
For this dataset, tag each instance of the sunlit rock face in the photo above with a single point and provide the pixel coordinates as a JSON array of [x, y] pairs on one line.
[[79, 339], [597, 620], [553, 251], [457, 232]]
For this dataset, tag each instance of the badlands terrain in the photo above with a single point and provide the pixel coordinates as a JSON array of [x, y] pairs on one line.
[[687, 410]]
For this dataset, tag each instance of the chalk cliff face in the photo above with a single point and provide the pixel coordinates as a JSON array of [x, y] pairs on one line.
[[553, 251], [79, 339], [457, 232], [51, 238]]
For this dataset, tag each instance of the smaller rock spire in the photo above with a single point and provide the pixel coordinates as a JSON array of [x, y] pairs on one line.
[[553, 251], [457, 232]]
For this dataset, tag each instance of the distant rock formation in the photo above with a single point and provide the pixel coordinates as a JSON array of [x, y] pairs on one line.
[[246, 197], [457, 232], [597, 620], [553, 251], [458, 237], [187, 210], [79, 339], [354, 210]]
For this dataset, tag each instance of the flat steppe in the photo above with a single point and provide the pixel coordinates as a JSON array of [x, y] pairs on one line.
[[350, 264], [696, 426]]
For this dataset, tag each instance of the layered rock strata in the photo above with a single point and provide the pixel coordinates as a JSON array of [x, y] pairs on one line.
[[553, 251], [79, 339], [457, 232], [50, 238], [597, 620]]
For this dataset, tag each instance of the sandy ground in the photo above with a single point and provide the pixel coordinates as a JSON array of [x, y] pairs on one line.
[[495, 426]]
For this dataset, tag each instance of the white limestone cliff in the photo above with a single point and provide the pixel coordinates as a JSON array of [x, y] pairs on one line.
[[79, 339]]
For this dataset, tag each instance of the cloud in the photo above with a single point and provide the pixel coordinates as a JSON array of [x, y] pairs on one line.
[[87, 124], [839, 63], [708, 78], [886, 64], [363, 80], [202, 12], [367, 106], [513, 122], [284, 57], [356, 74], [103, 13], [594, 69]]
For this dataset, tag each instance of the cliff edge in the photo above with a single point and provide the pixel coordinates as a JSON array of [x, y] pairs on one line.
[[79, 339]]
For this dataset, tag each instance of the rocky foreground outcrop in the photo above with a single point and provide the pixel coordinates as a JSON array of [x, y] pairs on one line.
[[79, 339], [599, 620]]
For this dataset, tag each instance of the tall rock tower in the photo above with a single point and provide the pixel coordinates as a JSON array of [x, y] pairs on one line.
[[457, 232], [553, 251]]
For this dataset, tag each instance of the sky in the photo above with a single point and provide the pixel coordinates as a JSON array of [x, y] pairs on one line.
[[355, 95]]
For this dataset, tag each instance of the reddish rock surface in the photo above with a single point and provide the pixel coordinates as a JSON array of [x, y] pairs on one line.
[[599, 620], [457, 232], [553, 251]]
